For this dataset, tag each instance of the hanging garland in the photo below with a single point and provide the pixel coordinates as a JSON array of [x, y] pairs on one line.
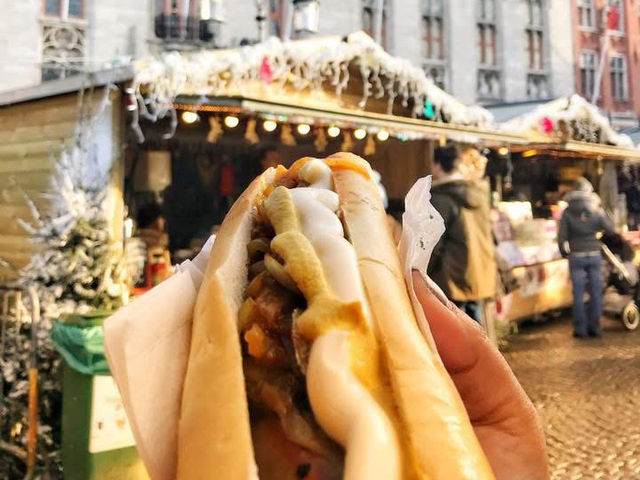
[[303, 66]]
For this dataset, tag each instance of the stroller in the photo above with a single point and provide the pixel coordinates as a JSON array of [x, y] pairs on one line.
[[622, 281]]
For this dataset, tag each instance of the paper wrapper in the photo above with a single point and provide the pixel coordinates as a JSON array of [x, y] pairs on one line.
[[422, 227], [147, 346], [147, 342]]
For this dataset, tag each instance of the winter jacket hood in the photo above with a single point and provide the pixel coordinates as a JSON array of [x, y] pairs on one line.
[[463, 262], [581, 222]]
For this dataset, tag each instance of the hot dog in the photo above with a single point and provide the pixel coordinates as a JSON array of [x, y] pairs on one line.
[[306, 360]]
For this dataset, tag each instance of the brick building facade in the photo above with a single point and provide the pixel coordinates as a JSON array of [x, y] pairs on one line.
[[618, 86]]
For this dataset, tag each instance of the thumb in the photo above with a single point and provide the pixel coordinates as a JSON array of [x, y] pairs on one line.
[[497, 405]]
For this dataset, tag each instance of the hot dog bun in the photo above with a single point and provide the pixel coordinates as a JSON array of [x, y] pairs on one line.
[[215, 429]]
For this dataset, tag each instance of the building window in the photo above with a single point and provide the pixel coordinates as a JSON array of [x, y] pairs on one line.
[[488, 85], [614, 13], [534, 12], [438, 74], [432, 30], [178, 19], [369, 12], [585, 13], [618, 72], [64, 9], [486, 32], [535, 35], [587, 73], [275, 17]]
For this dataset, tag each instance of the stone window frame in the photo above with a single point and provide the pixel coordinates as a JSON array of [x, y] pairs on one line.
[[618, 75], [588, 65], [63, 10], [369, 8]]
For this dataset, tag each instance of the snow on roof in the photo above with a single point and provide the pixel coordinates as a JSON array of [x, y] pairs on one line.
[[571, 118], [305, 65]]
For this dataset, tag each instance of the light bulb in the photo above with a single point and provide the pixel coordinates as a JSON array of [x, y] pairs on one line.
[[303, 129], [383, 135], [231, 121], [503, 151], [333, 131], [190, 117], [360, 133], [269, 125]]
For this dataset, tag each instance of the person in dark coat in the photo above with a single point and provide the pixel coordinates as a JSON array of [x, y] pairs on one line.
[[463, 263], [580, 225]]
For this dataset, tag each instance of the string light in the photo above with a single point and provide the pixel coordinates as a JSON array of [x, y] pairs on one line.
[[269, 125], [190, 117], [231, 121], [383, 135], [360, 133], [303, 128], [333, 131]]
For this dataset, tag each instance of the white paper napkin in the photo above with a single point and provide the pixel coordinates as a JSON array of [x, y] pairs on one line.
[[147, 346]]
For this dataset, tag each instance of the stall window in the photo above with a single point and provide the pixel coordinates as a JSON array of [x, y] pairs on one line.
[[585, 13], [587, 73], [432, 30], [618, 72], [64, 9]]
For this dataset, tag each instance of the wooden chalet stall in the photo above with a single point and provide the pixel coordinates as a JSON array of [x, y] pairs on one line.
[[567, 138], [36, 125], [213, 109]]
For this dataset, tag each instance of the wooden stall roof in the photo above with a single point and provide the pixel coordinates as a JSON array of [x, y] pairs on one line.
[[575, 149], [67, 85]]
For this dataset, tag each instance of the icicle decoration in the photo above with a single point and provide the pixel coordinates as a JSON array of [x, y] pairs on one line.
[[570, 116], [303, 66]]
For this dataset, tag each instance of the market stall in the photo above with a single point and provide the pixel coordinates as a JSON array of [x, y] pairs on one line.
[[568, 138], [201, 122]]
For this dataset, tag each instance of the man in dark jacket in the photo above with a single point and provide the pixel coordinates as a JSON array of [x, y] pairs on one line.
[[463, 263], [577, 238]]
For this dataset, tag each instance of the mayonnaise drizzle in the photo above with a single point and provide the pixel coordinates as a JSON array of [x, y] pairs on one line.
[[342, 406]]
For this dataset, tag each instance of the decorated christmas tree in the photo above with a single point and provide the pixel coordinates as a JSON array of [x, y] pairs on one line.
[[76, 268]]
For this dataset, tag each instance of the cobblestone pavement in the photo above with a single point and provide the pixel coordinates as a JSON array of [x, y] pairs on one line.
[[588, 394]]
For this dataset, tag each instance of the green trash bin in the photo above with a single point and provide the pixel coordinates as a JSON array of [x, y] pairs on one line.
[[96, 439]]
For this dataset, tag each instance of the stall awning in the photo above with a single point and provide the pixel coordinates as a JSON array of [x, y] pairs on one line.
[[404, 126]]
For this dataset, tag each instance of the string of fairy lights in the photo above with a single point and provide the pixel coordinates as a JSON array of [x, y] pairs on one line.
[[227, 119]]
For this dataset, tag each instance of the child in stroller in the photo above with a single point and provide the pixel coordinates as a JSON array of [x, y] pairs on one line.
[[622, 280]]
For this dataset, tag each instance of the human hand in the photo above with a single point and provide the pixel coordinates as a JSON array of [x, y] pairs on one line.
[[504, 419]]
